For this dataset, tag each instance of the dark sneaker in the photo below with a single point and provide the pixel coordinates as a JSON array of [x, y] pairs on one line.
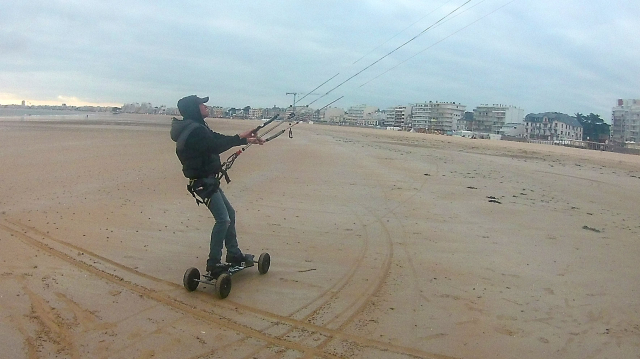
[[214, 271], [247, 259]]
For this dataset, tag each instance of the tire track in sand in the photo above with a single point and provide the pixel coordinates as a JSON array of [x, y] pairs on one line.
[[131, 280], [340, 304], [347, 297], [337, 302], [359, 303], [341, 320], [160, 297], [367, 299]]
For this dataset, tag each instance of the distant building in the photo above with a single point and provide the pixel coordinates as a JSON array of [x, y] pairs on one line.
[[421, 116], [491, 118], [171, 111], [329, 115], [270, 112], [216, 112], [552, 126], [145, 107], [302, 113], [513, 130], [443, 117], [626, 121], [360, 115], [467, 120], [398, 116], [255, 113], [376, 118]]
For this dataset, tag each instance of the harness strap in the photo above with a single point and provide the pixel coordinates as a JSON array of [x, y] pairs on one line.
[[185, 133], [193, 193]]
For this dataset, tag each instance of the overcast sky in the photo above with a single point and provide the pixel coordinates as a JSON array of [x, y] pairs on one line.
[[544, 55]]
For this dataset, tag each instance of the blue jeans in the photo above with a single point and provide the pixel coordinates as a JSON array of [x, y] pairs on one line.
[[224, 230]]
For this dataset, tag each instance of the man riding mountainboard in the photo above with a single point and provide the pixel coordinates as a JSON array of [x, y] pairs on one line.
[[198, 149]]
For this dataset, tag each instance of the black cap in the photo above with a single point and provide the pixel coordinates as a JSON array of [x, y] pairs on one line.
[[189, 106]]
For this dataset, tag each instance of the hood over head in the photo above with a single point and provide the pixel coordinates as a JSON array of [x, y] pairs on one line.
[[189, 107], [178, 126]]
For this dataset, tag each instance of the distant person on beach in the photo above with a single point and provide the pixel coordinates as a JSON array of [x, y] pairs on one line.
[[198, 149]]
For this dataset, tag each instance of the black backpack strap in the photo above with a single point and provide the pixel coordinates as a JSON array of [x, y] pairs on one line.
[[183, 136]]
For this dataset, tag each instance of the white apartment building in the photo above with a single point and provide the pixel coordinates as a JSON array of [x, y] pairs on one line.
[[256, 113], [377, 118], [216, 112], [625, 121], [399, 116], [552, 126], [360, 115], [329, 114], [421, 115], [491, 118], [437, 116]]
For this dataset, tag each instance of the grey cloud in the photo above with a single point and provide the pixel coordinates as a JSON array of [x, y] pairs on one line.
[[560, 56]]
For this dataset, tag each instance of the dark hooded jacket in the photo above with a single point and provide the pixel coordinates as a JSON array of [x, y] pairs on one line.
[[197, 146]]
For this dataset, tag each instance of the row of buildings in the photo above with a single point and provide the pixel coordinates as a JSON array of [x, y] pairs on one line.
[[431, 117], [452, 118], [443, 117], [506, 120]]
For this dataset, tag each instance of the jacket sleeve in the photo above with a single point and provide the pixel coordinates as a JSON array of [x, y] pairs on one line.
[[207, 141]]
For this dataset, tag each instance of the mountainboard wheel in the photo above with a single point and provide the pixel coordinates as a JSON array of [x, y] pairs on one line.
[[191, 279], [223, 285], [263, 263]]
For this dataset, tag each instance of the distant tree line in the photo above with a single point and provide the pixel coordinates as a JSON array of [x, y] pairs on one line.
[[593, 127]]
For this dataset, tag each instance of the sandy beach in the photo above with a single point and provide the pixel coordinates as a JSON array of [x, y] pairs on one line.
[[383, 245]]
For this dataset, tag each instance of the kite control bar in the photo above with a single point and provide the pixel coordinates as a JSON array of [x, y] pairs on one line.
[[281, 131], [266, 123], [229, 162]]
